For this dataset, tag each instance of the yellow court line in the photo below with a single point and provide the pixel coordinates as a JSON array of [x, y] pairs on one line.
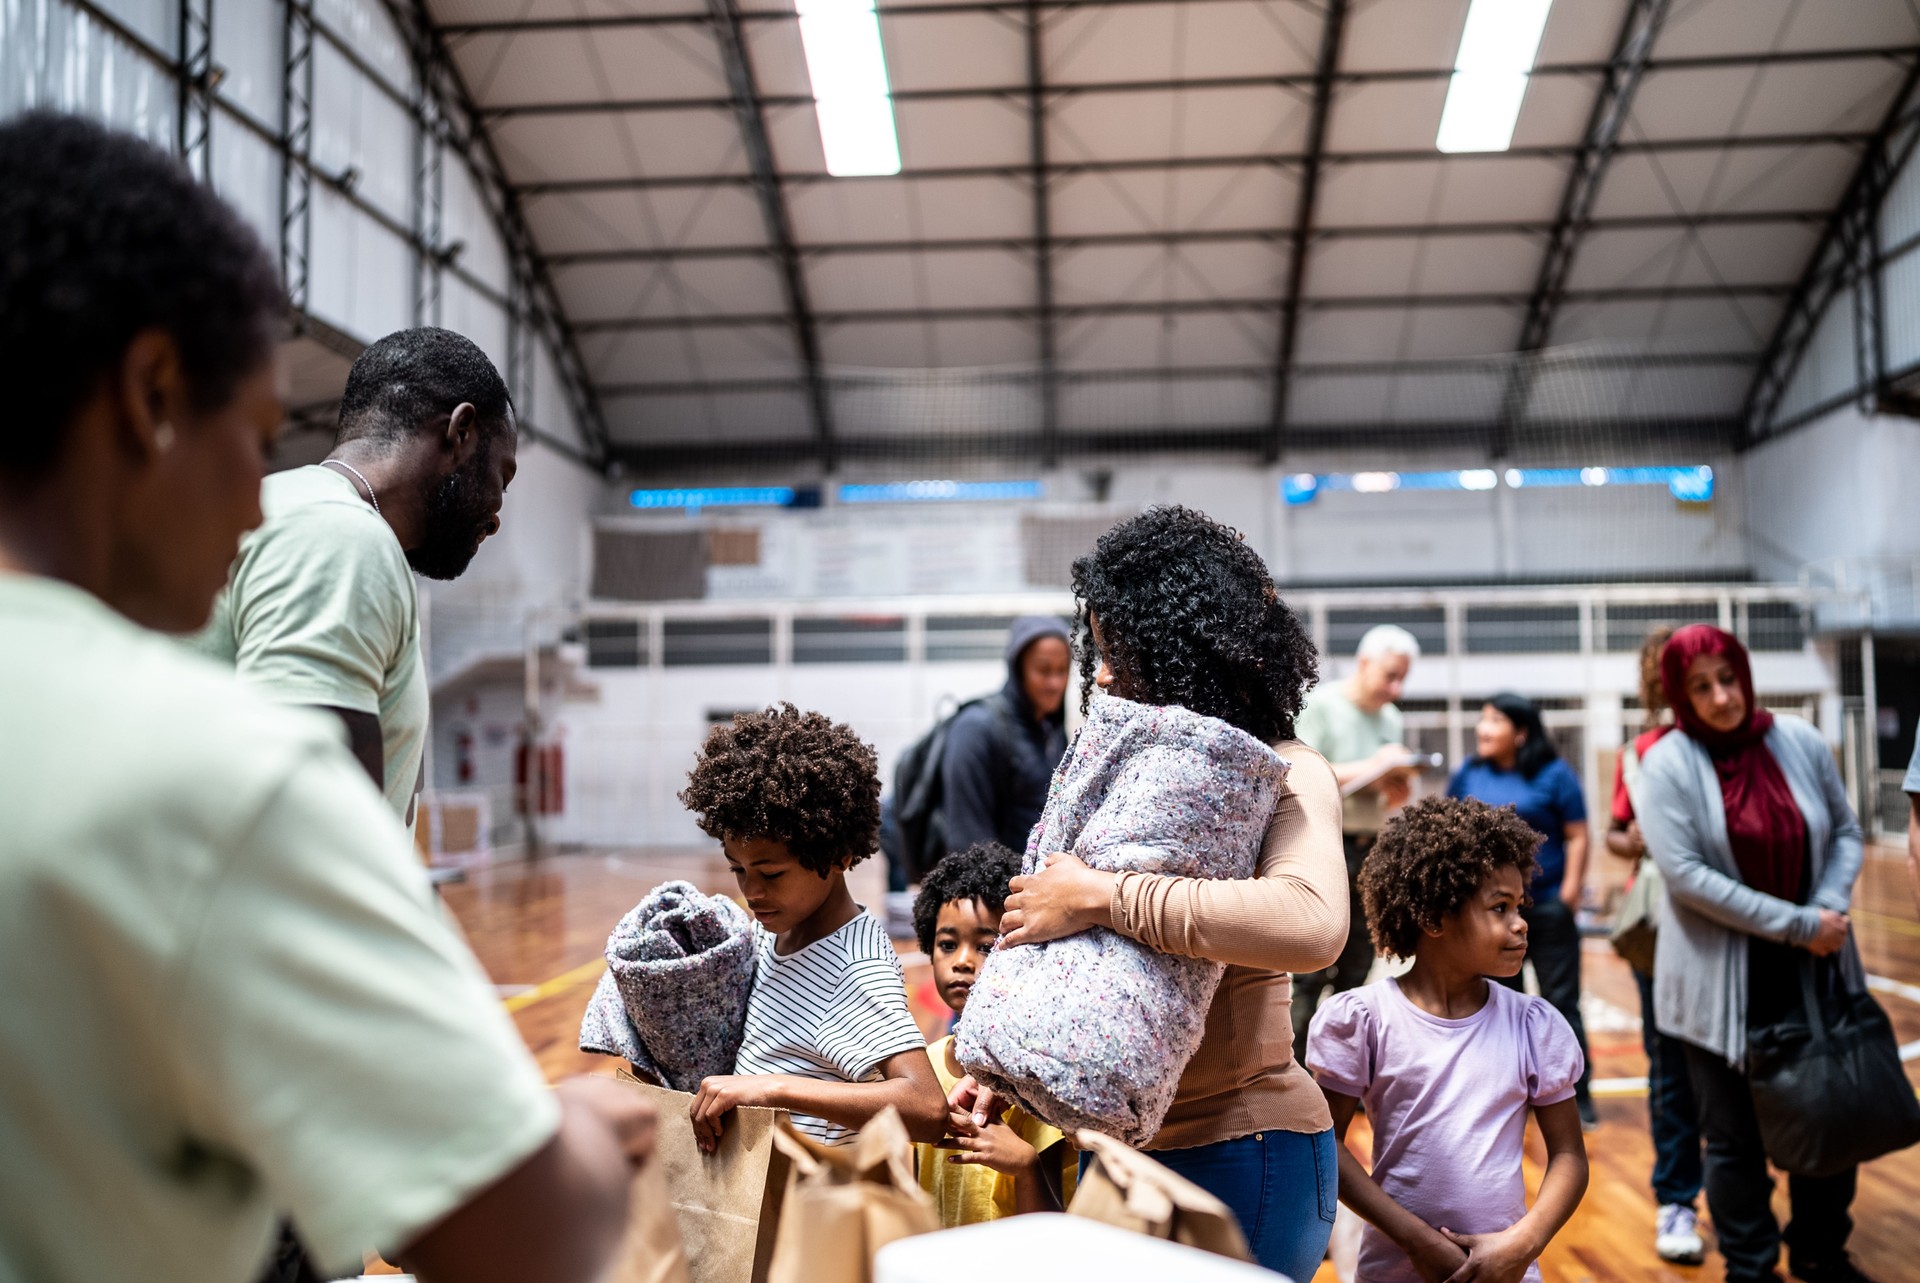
[[1899, 926], [585, 973]]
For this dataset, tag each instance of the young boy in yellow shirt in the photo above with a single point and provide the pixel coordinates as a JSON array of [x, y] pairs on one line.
[[1017, 1163]]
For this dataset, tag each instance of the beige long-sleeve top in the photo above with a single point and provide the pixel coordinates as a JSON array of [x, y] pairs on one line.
[[1290, 916]]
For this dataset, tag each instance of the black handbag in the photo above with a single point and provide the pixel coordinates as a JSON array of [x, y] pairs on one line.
[[1828, 1086]]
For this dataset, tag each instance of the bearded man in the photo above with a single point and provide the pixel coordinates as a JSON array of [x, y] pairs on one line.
[[321, 607]]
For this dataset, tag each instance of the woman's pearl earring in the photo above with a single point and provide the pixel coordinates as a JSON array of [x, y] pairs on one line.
[[163, 437]]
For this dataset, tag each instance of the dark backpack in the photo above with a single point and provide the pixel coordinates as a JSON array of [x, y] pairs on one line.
[[920, 793]]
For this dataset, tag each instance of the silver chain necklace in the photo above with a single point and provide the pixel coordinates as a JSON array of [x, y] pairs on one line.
[[371, 497]]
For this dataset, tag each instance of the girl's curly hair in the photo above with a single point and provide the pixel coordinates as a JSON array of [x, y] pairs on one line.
[[1431, 859], [794, 778], [1189, 616]]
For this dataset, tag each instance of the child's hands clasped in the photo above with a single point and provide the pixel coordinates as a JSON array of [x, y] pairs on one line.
[[1492, 1258], [1437, 1259], [994, 1145]]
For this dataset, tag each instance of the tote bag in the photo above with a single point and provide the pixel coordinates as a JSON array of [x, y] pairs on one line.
[[1828, 1086]]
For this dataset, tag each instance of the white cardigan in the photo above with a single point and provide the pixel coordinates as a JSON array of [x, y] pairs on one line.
[[1700, 961]]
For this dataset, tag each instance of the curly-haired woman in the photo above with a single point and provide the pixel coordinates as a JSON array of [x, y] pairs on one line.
[[1174, 608], [795, 801]]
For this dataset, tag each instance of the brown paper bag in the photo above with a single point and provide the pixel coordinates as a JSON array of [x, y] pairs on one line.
[[1126, 1188], [847, 1203], [726, 1204], [652, 1251]]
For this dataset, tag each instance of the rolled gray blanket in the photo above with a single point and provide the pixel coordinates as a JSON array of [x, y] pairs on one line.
[[673, 1000], [1094, 1030]]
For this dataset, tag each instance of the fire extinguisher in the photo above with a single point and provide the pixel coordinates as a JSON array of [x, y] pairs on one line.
[[463, 755]]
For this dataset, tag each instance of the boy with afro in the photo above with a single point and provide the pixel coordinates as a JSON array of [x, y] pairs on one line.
[[1015, 1163], [794, 800], [1448, 1064]]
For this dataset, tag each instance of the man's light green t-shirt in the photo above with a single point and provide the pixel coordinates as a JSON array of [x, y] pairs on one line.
[[321, 608], [230, 992], [1343, 733]]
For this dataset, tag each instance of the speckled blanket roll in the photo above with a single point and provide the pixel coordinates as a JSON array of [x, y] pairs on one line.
[[1094, 1030], [674, 997]]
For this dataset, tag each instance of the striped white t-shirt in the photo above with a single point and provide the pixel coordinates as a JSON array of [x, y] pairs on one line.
[[832, 1011]]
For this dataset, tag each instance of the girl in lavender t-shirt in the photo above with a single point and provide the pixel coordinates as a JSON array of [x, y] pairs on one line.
[[1448, 1064]]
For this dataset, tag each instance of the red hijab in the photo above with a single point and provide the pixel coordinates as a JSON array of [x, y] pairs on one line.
[[1764, 825]]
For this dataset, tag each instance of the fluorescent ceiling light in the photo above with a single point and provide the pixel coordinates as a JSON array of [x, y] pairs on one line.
[[1490, 74], [850, 94]]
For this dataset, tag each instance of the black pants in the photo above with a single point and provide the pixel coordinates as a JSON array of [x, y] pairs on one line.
[[1349, 970], [1739, 1185], [1553, 947], [1672, 1115]]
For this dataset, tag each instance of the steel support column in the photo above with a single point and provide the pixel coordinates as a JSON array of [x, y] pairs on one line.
[[529, 279], [1042, 233], [198, 76], [296, 180], [1611, 107], [1332, 24], [724, 16], [1848, 254], [429, 189]]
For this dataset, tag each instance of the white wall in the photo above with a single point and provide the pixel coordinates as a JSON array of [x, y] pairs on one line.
[[1841, 488], [537, 560]]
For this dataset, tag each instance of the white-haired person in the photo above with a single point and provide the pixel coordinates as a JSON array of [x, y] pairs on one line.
[[1356, 725]]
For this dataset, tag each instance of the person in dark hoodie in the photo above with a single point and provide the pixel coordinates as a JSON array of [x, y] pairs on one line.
[[1001, 752]]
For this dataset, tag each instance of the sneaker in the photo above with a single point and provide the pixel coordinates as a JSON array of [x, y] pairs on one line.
[[1589, 1118], [1677, 1235]]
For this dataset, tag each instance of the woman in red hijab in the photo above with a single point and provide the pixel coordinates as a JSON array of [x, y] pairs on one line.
[[1748, 819]]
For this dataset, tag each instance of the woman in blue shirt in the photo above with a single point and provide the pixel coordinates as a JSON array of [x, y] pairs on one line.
[[1515, 764]]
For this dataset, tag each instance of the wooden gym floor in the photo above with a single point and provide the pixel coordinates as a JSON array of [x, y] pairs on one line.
[[539, 929]]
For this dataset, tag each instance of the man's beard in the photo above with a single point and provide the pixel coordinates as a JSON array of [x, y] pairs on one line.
[[456, 516]]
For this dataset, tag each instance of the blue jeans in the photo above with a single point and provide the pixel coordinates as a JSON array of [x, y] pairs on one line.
[[1282, 1186], [1670, 1109]]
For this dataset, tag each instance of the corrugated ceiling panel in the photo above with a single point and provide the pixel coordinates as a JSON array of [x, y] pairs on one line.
[[1178, 41], [928, 344], [1704, 256], [779, 60], [689, 287], [1570, 390], [668, 356], [1678, 325], [1120, 342], [933, 406], [716, 417], [979, 278], [1800, 177], [1400, 35], [692, 143], [1237, 401], [504, 70], [899, 209], [968, 132], [573, 222], [1460, 189], [1756, 26], [1415, 334], [1238, 196], [1423, 265], [1135, 273], [1789, 98], [949, 51], [1198, 122], [1431, 396]]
